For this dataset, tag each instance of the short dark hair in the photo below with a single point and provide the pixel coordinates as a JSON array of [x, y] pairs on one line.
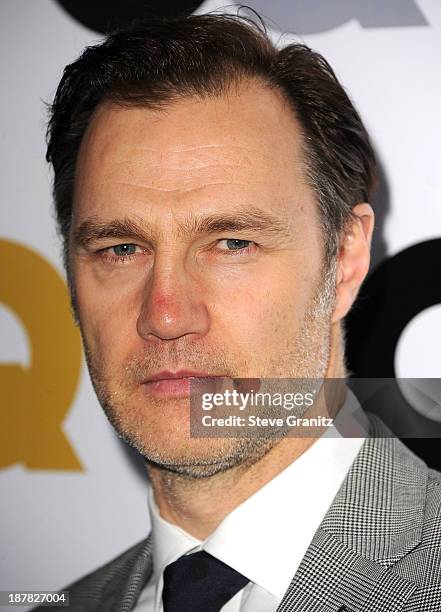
[[154, 62]]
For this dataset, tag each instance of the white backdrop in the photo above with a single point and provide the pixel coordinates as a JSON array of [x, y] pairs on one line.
[[60, 522]]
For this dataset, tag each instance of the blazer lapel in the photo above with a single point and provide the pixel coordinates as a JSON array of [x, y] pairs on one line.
[[133, 576], [375, 519]]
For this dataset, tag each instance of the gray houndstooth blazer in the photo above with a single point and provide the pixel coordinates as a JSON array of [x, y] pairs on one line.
[[378, 548]]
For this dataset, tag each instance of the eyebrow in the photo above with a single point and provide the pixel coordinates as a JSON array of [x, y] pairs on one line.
[[254, 219]]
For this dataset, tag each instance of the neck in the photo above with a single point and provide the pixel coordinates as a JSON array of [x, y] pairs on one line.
[[199, 505]]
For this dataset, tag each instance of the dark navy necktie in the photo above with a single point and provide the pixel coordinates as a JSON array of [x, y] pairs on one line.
[[199, 583]]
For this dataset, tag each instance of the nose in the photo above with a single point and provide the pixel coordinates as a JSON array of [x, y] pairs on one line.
[[173, 304]]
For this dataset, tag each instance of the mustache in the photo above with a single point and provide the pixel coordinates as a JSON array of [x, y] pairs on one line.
[[173, 358]]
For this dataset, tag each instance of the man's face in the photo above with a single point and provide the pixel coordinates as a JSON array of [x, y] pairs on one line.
[[195, 248]]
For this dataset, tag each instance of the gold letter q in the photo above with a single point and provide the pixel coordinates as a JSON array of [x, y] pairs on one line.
[[35, 400]]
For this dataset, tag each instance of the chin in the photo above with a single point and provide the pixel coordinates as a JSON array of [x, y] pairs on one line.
[[202, 457]]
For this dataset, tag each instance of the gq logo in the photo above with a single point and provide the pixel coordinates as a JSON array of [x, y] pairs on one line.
[[297, 16], [398, 290], [35, 400]]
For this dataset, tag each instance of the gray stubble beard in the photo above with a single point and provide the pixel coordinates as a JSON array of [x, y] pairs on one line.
[[310, 349]]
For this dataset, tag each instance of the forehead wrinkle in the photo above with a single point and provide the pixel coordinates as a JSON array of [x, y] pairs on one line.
[[218, 155], [188, 149], [214, 146], [204, 154], [180, 189], [182, 168], [176, 177]]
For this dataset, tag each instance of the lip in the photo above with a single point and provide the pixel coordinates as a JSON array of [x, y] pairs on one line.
[[180, 383], [167, 375]]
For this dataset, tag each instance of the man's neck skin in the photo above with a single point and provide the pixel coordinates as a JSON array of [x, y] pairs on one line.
[[198, 506]]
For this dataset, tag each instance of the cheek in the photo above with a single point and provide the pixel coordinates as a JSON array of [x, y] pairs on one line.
[[107, 315], [263, 314]]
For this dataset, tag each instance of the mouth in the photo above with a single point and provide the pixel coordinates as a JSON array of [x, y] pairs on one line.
[[182, 383]]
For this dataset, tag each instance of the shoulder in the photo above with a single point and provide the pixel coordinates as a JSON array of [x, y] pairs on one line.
[[397, 515], [102, 588], [423, 564]]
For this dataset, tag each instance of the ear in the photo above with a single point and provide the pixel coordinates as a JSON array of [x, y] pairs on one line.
[[353, 259]]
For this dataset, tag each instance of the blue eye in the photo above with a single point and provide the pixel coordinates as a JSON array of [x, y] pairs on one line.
[[124, 253], [234, 244], [122, 250]]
